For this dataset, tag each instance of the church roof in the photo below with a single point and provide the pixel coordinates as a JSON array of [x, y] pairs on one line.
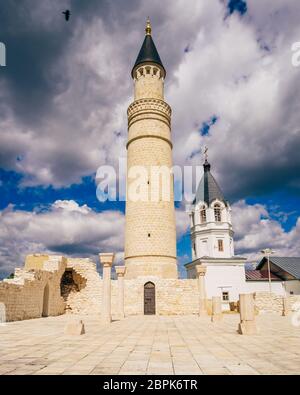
[[148, 52], [258, 275], [284, 266], [208, 189]]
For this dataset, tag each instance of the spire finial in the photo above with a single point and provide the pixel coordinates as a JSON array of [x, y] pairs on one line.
[[206, 165], [205, 153], [148, 27]]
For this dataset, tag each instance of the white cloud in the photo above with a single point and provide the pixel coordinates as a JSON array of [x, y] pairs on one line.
[[256, 230], [66, 228], [237, 68], [182, 221]]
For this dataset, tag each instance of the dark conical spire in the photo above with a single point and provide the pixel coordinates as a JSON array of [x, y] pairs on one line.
[[208, 189], [148, 52]]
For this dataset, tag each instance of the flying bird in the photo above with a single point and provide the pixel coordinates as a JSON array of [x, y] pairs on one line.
[[67, 14]]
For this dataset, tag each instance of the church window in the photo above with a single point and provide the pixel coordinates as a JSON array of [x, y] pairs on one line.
[[203, 215], [217, 211], [225, 296], [220, 245], [194, 248]]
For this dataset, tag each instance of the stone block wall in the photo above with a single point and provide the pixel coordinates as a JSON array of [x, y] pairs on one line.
[[173, 297], [88, 299], [272, 303], [24, 295]]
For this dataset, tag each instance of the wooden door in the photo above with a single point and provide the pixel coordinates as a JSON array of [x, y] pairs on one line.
[[149, 298], [45, 312]]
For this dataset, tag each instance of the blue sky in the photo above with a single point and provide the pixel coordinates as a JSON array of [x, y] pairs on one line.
[[64, 95]]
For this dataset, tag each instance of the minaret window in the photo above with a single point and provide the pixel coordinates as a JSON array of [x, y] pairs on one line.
[[217, 211], [203, 215]]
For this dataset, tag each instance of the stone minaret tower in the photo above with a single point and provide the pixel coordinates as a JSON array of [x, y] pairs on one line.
[[150, 235]]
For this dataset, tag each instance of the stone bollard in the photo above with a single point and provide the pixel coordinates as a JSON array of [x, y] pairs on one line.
[[201, 270], [285, 306], [247, 325], [107, 260], [75, 328], [216, 309], [120, 270]]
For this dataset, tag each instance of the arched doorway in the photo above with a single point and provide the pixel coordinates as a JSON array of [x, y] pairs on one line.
[[149, 298], [45, 312]]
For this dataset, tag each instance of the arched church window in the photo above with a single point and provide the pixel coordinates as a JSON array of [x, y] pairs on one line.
[[203, 215], [217, 211]]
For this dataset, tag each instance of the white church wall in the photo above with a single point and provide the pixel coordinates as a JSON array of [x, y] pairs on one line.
[[229, 278], [263, 286]]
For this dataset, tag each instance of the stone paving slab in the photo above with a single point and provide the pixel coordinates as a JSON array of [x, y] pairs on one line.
[[182, 345]]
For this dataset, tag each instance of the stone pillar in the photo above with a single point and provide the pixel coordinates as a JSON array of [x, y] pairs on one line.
[[106, 260], [247, 326], [201, 270], [120, 270], [216, 309], [285, 307]]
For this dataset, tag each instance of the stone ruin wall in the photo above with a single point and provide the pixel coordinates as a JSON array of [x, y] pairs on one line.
[[23, 296], [87, 299], [272, 303]]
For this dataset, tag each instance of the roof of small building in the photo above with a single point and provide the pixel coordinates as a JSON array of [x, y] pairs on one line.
[[290, 265], [148, 52], [208, 189], [257, 275]]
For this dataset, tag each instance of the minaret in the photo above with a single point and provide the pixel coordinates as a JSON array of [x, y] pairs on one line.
[[150, 234], [211, 227]]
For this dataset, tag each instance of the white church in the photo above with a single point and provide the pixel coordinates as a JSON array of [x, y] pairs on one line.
[[212, 242], [213, 247]]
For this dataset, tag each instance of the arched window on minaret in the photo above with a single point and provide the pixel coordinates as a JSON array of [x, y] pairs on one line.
[[217, 211], [203, 215]]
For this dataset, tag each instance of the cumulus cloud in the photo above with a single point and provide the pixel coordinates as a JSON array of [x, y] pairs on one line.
[[240, 70], [256, 230], [66, 228]]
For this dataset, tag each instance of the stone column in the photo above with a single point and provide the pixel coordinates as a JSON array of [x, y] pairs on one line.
[[216, 309], [106, 260], [201, 270], [247, 326], [120, 270]]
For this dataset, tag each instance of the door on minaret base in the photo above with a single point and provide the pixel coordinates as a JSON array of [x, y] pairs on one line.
[[149, 298]]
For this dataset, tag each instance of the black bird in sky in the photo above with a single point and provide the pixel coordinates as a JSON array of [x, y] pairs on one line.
[[67, 14]]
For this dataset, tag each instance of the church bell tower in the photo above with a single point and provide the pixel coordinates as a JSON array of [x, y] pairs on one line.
[[150, 232]]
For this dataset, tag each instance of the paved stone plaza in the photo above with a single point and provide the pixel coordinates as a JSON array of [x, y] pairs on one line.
[[150, 345]]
